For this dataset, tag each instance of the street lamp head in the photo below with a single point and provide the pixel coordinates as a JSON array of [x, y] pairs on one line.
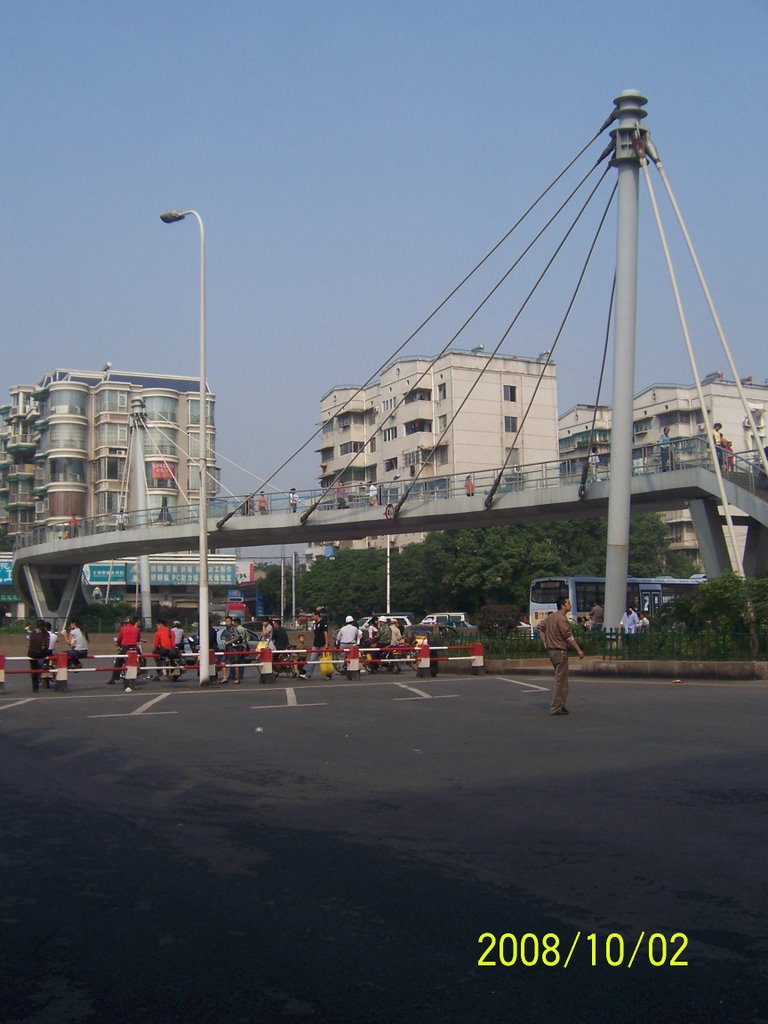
[[171, 216]]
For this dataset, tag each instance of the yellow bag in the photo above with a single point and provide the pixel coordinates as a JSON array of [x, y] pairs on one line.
[[326, 664]]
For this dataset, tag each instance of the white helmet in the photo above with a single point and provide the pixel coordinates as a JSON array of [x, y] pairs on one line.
[[349, 619]]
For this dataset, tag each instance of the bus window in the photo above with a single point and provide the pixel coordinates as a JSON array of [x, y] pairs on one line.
[[649, 599], [587, 592], [549, 591]]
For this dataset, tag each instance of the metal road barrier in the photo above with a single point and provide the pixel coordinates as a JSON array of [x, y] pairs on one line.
[[136, 667]]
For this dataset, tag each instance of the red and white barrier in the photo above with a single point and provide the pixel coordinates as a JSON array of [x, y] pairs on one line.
[[265, 662], [353, 659], [422, 658], [131, 669]]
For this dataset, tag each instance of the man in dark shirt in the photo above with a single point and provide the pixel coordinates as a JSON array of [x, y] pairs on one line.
[[280, 638], [556, 635], [319, 641]]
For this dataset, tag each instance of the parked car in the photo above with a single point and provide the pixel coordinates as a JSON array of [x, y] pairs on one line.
[[404, 619], [435, 633], [437, 630], [457, 619]]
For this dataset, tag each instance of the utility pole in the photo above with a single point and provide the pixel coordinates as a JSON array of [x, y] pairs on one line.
[[140, 504], [629, 112]]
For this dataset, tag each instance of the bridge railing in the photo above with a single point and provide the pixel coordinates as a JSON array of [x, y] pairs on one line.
[[684, 454]]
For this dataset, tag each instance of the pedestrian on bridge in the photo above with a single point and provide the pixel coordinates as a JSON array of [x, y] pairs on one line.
[[665, 450]]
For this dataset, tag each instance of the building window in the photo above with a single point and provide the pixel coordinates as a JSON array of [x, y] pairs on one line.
[[111, 435], [510, 393], [67, 401], [388, 405], [442, 391], [510, 424], [351, 446], [67, 435], [390, 433], [418, 395], [372, 445], [67, 471], [112, 401], [442, 423], [418, 427], [390, 464], [163, 407], [194, 412]]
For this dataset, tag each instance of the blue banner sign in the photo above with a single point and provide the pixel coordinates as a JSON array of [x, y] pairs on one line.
[[175, 574], [5, 571], [98, 574]]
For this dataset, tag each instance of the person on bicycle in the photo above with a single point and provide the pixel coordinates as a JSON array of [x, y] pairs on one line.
[[127, 639], [384, 639], [348, 636]]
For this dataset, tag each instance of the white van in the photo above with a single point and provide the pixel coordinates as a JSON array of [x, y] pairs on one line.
[[457, 619], [403, 618]]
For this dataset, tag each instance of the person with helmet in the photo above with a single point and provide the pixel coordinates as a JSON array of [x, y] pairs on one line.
[[348, 635]]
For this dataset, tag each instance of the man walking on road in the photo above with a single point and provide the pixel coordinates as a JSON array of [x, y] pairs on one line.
[[556, 635], [319, 641]]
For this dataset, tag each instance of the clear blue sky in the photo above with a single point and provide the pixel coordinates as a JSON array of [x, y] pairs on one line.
[[352, 160]]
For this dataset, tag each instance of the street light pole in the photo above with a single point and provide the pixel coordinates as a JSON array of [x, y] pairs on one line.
[[170, 217]]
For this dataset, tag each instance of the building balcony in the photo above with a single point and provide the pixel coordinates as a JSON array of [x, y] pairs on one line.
[[20, 501], [417, 409], [21, 469], [18, 442]]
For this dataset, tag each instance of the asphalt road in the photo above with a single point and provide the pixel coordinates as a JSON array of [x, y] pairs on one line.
[[334, 853]]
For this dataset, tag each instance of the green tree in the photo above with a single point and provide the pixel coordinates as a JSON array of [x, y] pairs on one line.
[[466, 569]]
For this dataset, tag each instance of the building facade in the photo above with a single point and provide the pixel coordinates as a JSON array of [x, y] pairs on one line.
[[437, 417], [677, 407], [65, 445]]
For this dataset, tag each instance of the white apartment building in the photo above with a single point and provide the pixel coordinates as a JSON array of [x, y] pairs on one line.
[[439, 414], [678, 407]]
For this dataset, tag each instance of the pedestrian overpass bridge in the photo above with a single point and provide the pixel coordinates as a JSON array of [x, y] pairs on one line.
[[48, 561]]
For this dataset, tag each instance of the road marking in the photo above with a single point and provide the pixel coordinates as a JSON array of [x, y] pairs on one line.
[[519, 682], [141, 710], [290, 702], [421, 695], [413, 689], [429, 696], [14, 704]]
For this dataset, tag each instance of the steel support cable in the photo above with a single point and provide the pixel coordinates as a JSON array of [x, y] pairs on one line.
[[586, 467], [158, 452], [184, 451], [453, 338], [734, 553], [499, 476], [502, 340], [218, 455], [653, 154], [123, 492], [438, 308]]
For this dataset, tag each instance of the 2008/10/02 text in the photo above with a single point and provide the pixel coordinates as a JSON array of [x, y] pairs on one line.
[[612, 950]]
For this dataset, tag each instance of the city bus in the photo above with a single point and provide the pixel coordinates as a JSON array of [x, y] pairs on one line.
[[647, 595]]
